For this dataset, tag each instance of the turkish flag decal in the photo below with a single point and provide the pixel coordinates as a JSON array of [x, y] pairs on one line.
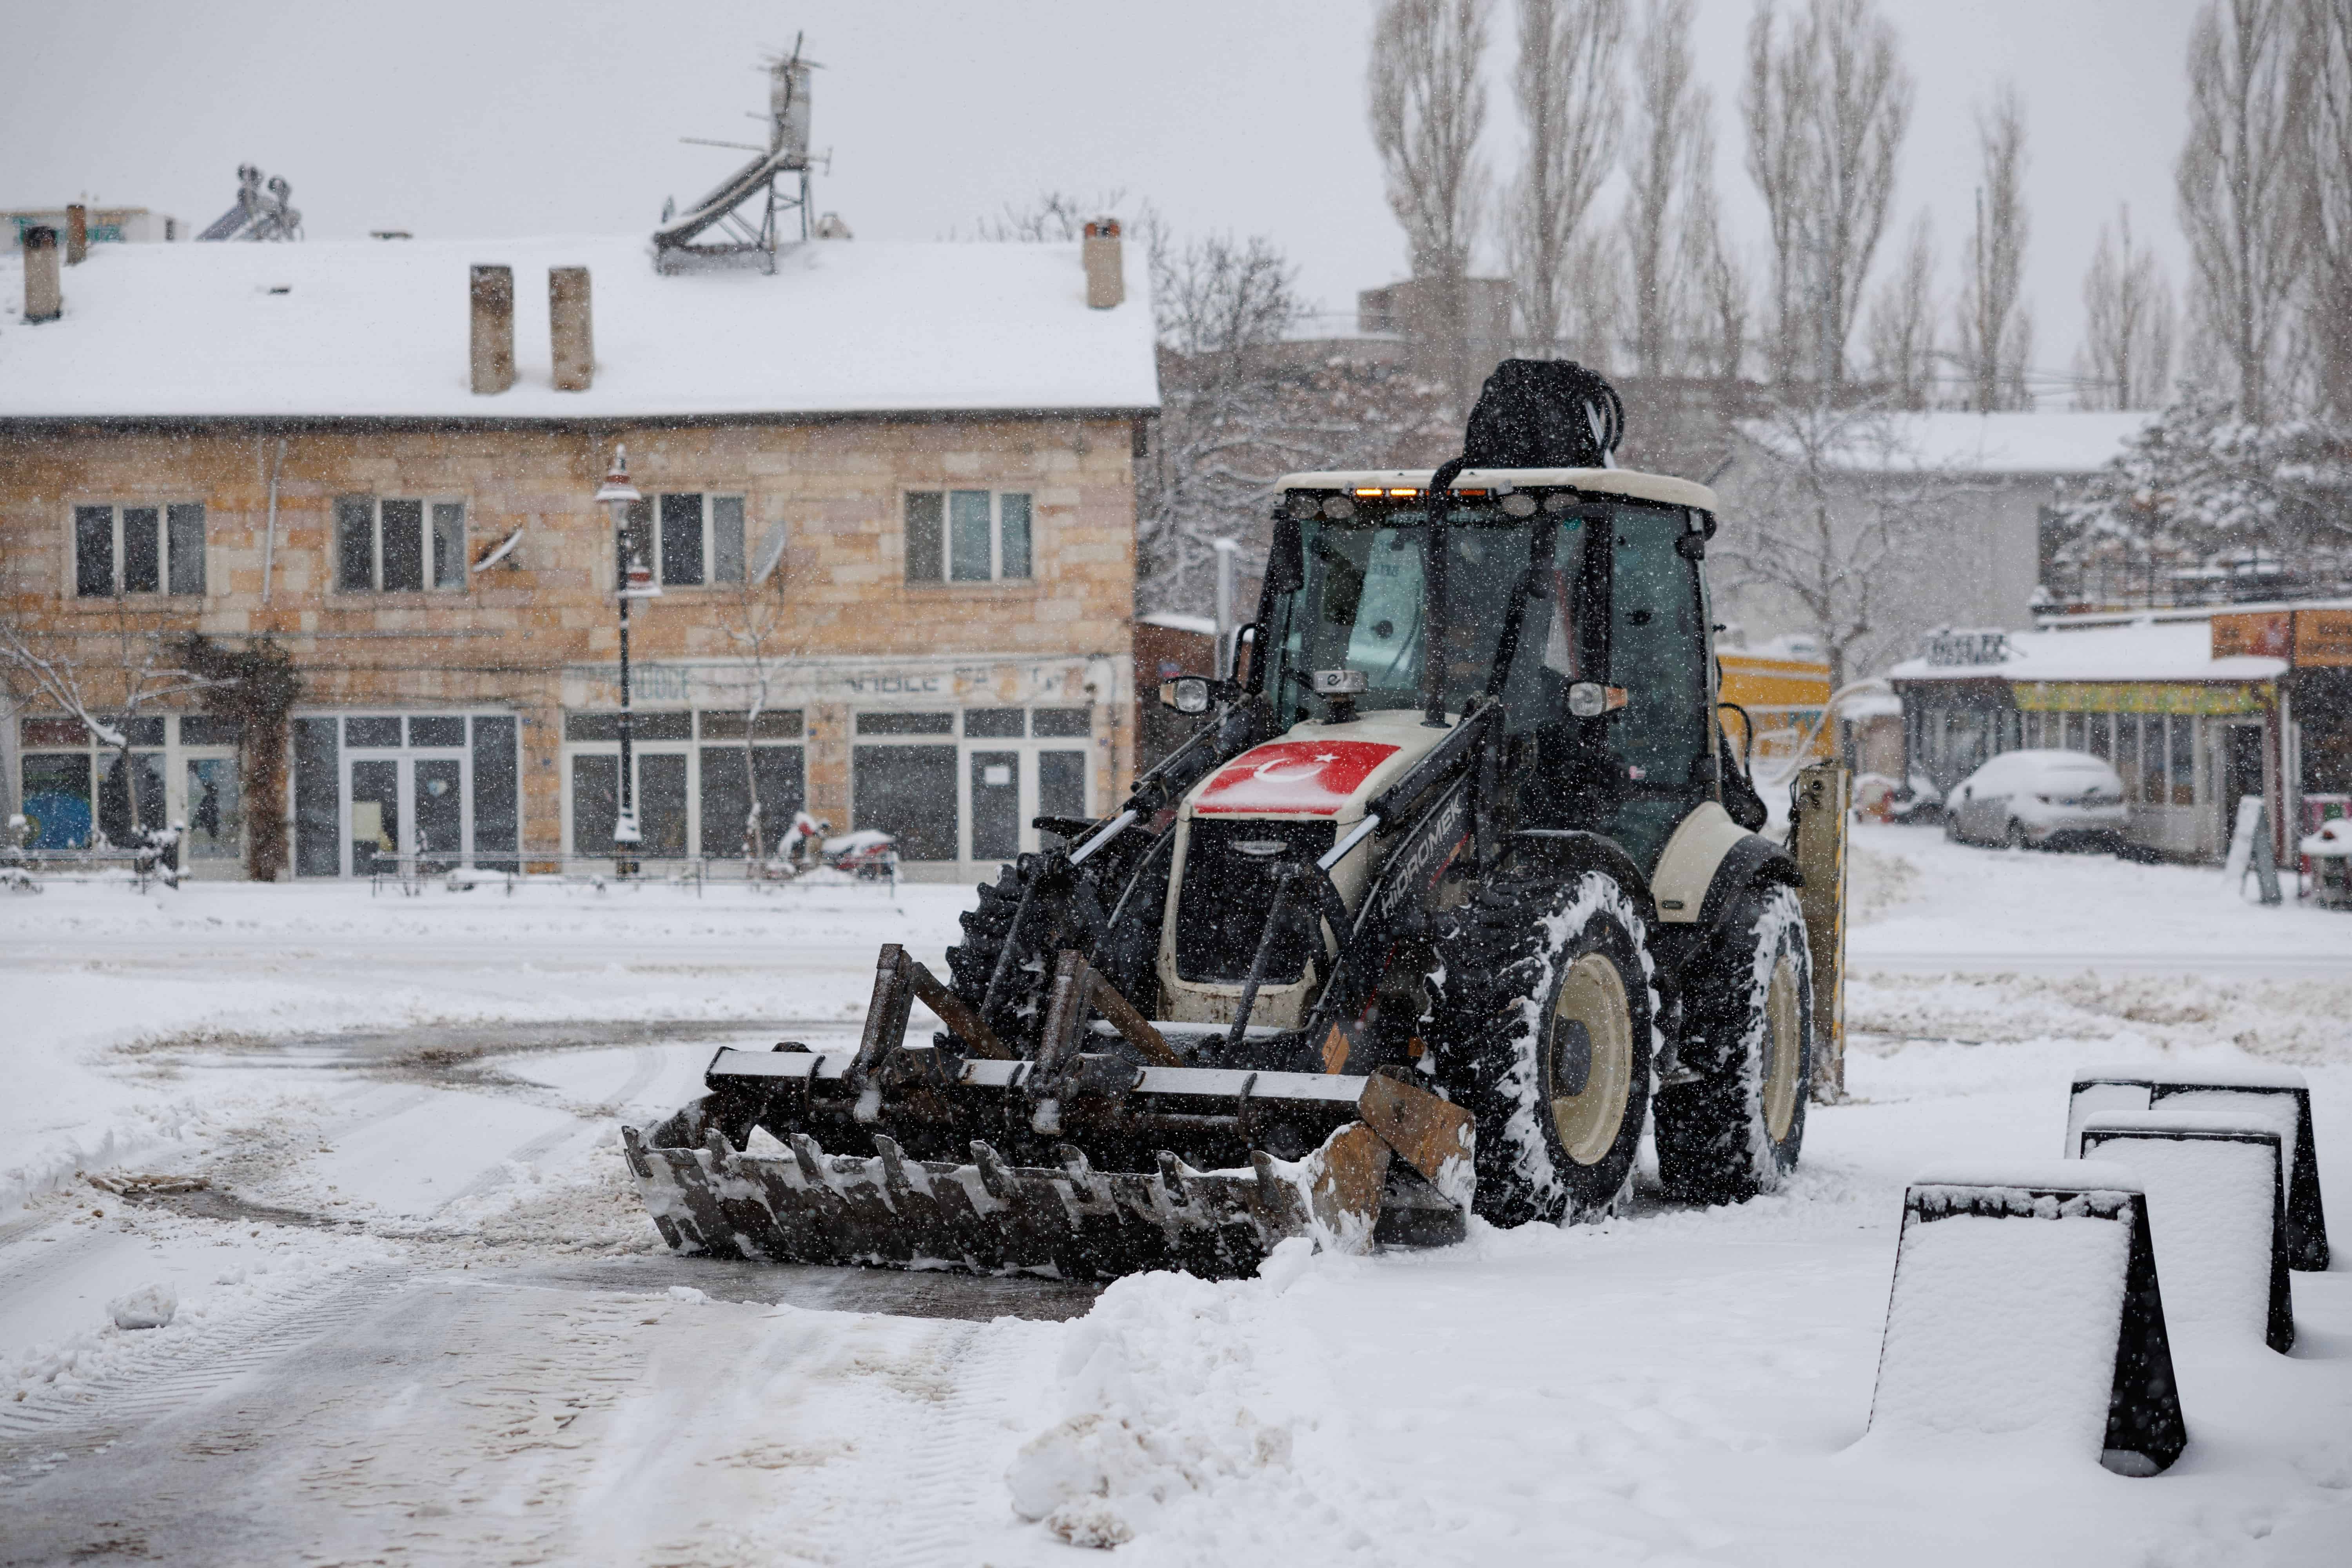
[[1293, 778]]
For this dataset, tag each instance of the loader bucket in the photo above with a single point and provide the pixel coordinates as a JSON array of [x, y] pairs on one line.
[[1385, 1163]]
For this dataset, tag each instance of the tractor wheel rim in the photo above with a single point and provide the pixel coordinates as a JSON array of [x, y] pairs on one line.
[[1783, 1050], [1593, 994]]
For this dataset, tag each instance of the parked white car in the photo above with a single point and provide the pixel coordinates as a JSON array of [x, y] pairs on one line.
[[2039, 797]]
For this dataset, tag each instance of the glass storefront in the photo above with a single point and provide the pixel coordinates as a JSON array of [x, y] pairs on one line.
[[371, 790], [697, 775], [76, 793]]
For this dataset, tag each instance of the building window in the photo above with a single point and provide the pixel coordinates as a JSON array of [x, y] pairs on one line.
[[141, 549], [689, 538], [77, 793], [691, 799], [399, 546], [968, 536]]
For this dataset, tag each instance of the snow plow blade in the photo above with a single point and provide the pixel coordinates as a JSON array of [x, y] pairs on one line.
[[1376, 1161]]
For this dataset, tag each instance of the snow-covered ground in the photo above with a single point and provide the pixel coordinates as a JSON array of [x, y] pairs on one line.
[[367, 1143]]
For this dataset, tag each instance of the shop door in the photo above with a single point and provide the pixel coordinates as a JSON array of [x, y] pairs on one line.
[[406, 805], [995, 805]]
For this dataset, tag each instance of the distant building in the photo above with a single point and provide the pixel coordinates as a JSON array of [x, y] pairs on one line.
[[2195, 708], [917, 460], [1996, 477], [107, 225]]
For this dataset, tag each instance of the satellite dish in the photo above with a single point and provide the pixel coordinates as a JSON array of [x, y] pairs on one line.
[[772, 551]]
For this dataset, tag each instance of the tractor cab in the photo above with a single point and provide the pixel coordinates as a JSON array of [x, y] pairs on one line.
[[1577, 596]]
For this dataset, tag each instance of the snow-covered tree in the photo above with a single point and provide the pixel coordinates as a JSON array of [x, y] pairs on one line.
[[2205, 487], [1428, 109]]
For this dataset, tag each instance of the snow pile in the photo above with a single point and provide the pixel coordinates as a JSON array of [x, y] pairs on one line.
[[1183, 1408], [2003, 1329], [2213, 1204], [149, 1307]]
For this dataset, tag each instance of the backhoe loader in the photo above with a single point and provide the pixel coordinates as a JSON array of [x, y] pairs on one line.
[[1455, 891]]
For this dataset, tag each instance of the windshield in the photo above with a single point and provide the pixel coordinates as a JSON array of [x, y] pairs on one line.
[[1363, 606]]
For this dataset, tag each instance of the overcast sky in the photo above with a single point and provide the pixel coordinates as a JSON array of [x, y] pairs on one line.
[[536, 117]]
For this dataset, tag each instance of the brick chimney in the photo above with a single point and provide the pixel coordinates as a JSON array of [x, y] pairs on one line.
[[45, 300], [76, 235], [570, 327], [1105, 273], [493, 355]]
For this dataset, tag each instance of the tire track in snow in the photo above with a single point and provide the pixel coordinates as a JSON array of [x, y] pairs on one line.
[[87, 1415], [949, 1475]]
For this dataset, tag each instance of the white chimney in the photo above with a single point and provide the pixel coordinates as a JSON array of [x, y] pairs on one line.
[[44, 299], [1106, 271], [493, 336], [570, 328]]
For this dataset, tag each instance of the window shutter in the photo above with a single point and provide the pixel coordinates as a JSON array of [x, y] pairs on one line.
[[186, 530], [94, 551], [926, 529], [354, 543], [1014, 525], [727, 538]]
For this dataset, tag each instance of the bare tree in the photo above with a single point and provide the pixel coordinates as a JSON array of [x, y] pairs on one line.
[[1902, 329], [2322, 115], [1843, 551], [1993, 327], [753, 617], [1428, 107], [2126, 355], [2239, 205], [1671, 109], [1228, 428], [1053, 217], [1826, 109], [1570, 102], [1718, 292]]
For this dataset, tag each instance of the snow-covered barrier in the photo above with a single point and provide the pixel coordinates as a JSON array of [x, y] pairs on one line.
[[2216, 1189], [2279, 1094], [2025, 1310]]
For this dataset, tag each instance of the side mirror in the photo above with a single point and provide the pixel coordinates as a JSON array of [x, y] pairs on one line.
[[1186, 694]]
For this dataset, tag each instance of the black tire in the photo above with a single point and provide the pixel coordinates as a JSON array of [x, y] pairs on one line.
[[1537, 979], [971, 963], [1734, 1123], [2014, 838]]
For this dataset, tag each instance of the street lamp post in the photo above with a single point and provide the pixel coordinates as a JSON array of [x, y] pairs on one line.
[[633, 581]]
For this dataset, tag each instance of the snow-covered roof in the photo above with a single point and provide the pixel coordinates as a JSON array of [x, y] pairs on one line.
[[2062, 441], [2176, 650], [381, 328], [1200, 626]]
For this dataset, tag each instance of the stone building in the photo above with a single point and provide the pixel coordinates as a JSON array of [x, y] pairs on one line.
[[889, 504]]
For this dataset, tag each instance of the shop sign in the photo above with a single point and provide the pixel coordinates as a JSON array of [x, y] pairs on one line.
[[2260, 633], [1966, 646], [2139, 697], [2323, 637]]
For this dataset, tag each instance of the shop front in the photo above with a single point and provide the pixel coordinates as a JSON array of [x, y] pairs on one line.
[[955, 757], [75, 794], [2190, 725]]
